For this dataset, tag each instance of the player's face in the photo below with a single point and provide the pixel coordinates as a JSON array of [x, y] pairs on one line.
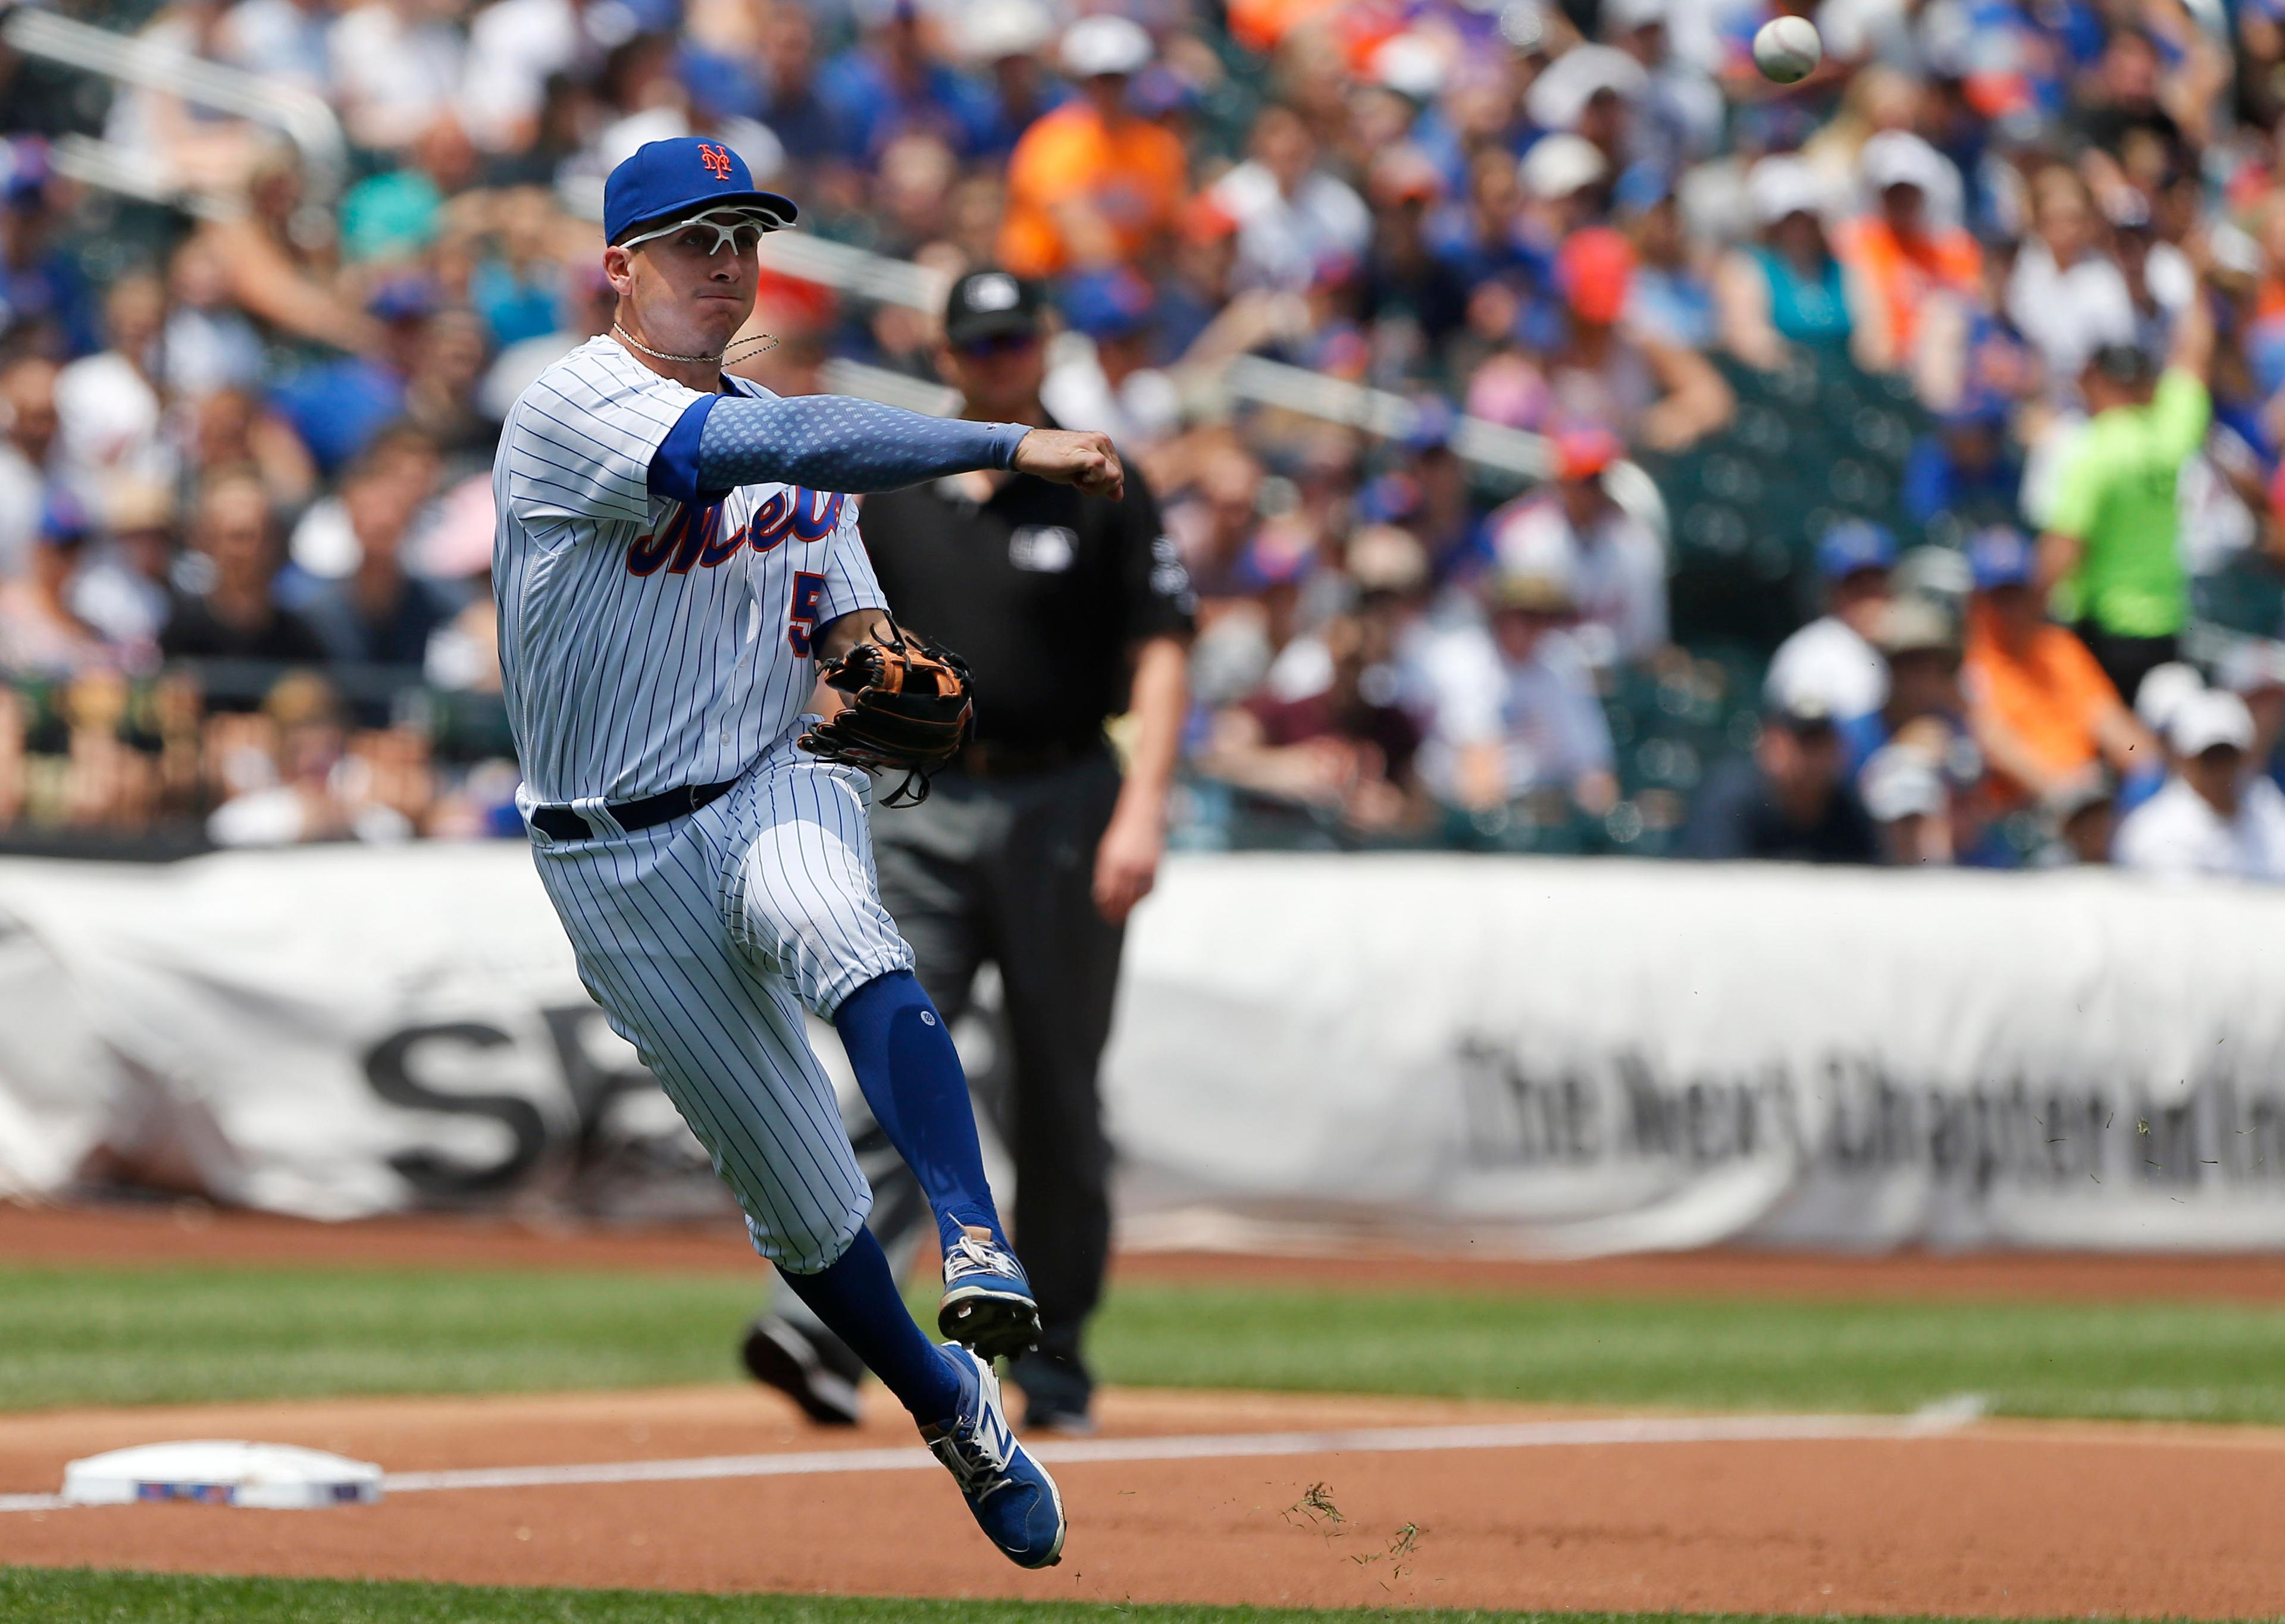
[[691, 288]]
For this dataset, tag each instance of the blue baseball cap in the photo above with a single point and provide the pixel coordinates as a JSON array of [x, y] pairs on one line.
[[24, 172], [1642, 187], [686, 175], [1854, 544], [402, 298], [1388, 498], [1273, 559], [1158, 89], [63, 521], [2000, 556], [1433, 423], [1110, 304], [1976, 409]]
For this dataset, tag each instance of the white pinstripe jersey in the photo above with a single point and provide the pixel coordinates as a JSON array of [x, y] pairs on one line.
[[646, 644]]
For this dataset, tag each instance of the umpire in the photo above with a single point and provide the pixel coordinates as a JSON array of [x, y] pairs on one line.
[[1032, 849]]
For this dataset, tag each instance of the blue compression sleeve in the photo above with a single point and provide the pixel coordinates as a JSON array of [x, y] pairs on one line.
[[824, 442], [911, 1076]]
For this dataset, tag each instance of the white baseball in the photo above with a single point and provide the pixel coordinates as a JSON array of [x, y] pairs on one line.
[[1787, 50]]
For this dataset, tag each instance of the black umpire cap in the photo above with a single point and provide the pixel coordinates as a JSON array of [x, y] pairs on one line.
[[991, 303]]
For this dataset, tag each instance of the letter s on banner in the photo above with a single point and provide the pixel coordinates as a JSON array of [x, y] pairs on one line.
[[389, 1071]]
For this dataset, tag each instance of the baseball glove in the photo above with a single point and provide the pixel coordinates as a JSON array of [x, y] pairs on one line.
[[908, 711]]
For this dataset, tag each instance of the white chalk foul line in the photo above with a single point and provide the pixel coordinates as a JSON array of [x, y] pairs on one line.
[[1228, 1446], [1929, 1423]]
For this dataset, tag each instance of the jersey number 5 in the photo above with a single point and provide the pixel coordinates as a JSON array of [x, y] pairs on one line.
[[801, 618]]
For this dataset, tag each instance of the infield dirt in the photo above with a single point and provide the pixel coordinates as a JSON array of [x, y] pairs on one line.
[[2001, 1518], [1996, 1519]]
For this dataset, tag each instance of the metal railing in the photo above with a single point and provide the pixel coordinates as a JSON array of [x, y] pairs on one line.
[[1253, 379], [856, 271], [110, 166], [847, 377], [301, 116]]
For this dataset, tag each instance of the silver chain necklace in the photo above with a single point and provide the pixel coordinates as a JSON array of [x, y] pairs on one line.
[[760, 341]]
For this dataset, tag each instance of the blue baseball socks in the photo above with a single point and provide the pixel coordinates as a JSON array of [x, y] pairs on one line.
[[905, 1061], [911, 1074], [857, 1300]]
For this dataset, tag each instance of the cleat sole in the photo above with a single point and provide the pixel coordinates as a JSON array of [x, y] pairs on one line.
[[995, 1325]]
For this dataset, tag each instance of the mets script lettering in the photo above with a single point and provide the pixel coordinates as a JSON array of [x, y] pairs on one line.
[[693, 537]]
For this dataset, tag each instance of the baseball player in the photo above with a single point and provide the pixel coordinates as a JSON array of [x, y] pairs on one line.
[[676, 565]]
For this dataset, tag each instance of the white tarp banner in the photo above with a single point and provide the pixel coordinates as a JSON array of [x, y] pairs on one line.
[[329, 1032], [1563, 1056]]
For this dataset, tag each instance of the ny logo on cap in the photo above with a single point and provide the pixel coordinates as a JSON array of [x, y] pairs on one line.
[[717, 160], [993, 291]]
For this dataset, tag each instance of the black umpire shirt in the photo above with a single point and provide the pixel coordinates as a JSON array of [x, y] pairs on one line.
[[1043, 591]]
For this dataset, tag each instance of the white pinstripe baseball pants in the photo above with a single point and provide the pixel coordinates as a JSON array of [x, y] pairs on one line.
[[699, 935]]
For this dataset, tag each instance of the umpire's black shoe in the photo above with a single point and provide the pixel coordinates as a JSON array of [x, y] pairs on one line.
[[810, 1366], [1058, 1393]]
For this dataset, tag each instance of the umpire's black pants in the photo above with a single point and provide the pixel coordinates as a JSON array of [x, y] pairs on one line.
[[1003, 869], [2127, 660]]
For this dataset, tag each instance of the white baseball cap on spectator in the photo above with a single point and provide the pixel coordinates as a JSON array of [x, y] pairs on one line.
[[2210, 720], [2164, 691], [1781, 185], [1536, 570], [1099, 47], [1941, 575], [993, 30], [1914, 625], [1561, 93], [1899, 158], [1625, 16], [1559, 165], [2235, 252], [1410, 65], [1899, 781]]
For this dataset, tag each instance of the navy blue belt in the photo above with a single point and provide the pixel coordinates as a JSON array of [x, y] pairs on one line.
[[564, 823]]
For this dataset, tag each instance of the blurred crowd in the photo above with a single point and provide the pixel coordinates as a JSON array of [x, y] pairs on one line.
[[247, 415]]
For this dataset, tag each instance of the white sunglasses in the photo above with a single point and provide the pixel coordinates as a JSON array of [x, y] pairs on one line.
[[739, 230]]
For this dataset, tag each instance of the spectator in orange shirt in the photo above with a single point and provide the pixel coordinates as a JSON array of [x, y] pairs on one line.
[[1910, 249], [1094, 182], [2042, 711]]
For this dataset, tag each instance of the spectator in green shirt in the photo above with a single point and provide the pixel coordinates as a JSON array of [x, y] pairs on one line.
[[2109, 558]]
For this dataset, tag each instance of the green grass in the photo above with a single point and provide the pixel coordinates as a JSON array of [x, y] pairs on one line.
[[34, 1596], [176, 1335], [168, 1336], [2171, 1360]]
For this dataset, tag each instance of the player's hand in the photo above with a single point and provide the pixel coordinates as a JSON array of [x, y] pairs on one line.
[[1074, 457], [1126, 864]]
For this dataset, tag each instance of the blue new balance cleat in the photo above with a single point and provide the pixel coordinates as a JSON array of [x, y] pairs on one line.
[[987, 1300], [1015, 1501]]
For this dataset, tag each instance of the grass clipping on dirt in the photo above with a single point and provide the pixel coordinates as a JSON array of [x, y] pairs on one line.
[[34, 1596], [147, 1336]]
